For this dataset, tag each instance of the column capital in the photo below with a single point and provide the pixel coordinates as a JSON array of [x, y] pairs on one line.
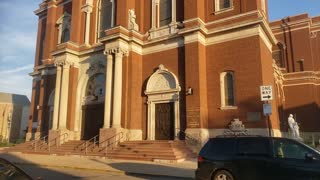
[[87, 8], [66, 60], [116, 51], [62, 62]]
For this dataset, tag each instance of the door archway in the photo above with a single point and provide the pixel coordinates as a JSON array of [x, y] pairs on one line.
[[163, 105], [93, 106]]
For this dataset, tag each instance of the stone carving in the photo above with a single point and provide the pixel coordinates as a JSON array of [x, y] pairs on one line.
[[119, 51], [313, 34], [162, 82], [278, 76], [95, 91], [95, 69], [294, 127], [61, 61], [236, 128], [132, 21]]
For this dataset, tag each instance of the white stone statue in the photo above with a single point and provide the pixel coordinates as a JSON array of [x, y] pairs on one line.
[[132, 21], [294, 127]]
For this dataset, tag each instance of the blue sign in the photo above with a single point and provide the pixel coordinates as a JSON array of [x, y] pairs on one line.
[[267, 109]]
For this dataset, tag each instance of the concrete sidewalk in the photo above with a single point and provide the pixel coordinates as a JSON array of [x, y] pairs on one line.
[[183, 169]]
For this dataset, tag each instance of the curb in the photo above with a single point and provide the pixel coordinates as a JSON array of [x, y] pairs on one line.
[[114, 172]]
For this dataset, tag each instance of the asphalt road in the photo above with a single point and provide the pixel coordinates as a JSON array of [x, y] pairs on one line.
[[48, 173]]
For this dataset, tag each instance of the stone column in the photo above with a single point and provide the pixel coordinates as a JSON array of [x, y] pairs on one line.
[[64, 97], [117, 89], [173, 12], [108, 91], [154, 18], [88, 10], [56, 99]]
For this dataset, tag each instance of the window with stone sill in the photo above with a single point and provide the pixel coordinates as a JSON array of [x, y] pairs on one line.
[[64, 26], [223, 5], [227, 90], [163, 18], [106, 16]]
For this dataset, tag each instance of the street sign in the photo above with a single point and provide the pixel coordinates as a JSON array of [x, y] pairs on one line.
[[267, 110], [266, 93]]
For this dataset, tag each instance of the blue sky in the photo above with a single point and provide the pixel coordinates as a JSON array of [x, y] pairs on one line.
[[18, 31]]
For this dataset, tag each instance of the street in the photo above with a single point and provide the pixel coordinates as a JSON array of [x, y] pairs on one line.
[[49, 173]]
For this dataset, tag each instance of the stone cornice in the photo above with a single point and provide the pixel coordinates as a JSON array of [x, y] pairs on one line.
[[304, 77]]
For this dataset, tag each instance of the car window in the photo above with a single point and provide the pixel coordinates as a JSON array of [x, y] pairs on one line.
[[253, 146], [289, 149], [218, 147]]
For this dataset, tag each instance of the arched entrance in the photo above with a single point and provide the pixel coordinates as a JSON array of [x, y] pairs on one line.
[[163, 105], [93, 106]]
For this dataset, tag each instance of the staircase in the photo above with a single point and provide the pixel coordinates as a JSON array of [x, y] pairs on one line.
[[172, 151], [29, 147], [168, 151]]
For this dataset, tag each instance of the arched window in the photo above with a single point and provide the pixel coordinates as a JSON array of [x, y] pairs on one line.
[[64, 26], [227, 89], [223, 4], [106, 16]]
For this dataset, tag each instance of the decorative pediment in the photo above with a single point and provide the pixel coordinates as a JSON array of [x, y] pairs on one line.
[[162, 80]]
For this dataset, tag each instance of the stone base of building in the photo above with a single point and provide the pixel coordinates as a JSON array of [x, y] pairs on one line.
[[59, 136], [29, 136], [37, 135], [197, 137], [134, 134], [111, 136]]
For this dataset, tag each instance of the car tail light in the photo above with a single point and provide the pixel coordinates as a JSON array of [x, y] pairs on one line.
[[200, 158]]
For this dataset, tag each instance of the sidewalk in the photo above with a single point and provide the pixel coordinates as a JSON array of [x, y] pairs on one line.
[[183, 169]]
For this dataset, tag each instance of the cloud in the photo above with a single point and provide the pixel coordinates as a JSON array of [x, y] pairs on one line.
[[17, 84], [17, 69], [18, 33]]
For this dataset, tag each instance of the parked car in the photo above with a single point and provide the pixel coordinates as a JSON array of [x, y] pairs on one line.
[[9, 171], [257, 158]]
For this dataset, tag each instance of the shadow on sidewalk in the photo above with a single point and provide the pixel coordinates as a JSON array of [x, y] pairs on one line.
[[156, 171], [34, 170]]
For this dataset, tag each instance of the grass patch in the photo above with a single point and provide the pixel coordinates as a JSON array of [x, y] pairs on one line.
[[5, 144]]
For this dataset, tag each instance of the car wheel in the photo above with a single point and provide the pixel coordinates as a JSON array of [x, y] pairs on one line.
[[222, 175]]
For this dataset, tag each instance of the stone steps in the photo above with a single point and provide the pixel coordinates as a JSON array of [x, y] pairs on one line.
[[173, 151], [151, 151]]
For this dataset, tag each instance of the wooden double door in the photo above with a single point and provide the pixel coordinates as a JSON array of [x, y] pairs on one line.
[[164, 121], [92, 118]]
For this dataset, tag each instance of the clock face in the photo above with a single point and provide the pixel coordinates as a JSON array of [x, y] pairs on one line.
[[96, 85]]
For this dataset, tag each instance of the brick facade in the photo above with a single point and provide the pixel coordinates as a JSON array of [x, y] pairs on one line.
[[192, 52]]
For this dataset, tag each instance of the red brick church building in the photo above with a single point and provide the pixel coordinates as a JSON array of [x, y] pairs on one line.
[[168, 69]]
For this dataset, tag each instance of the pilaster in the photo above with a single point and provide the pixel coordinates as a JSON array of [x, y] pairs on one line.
[[87, 8], [57, 99], [64, 96], [117, 89], [108, 93]]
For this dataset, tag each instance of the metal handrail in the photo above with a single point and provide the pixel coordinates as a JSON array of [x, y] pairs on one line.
[[64, 136], [85, 145], [191, 139], [109, 142], [34, 142]]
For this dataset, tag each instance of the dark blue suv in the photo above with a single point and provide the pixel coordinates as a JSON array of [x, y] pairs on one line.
[[257, 158]]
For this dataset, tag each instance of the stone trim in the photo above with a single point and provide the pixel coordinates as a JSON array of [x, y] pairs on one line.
[[169, 89]]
